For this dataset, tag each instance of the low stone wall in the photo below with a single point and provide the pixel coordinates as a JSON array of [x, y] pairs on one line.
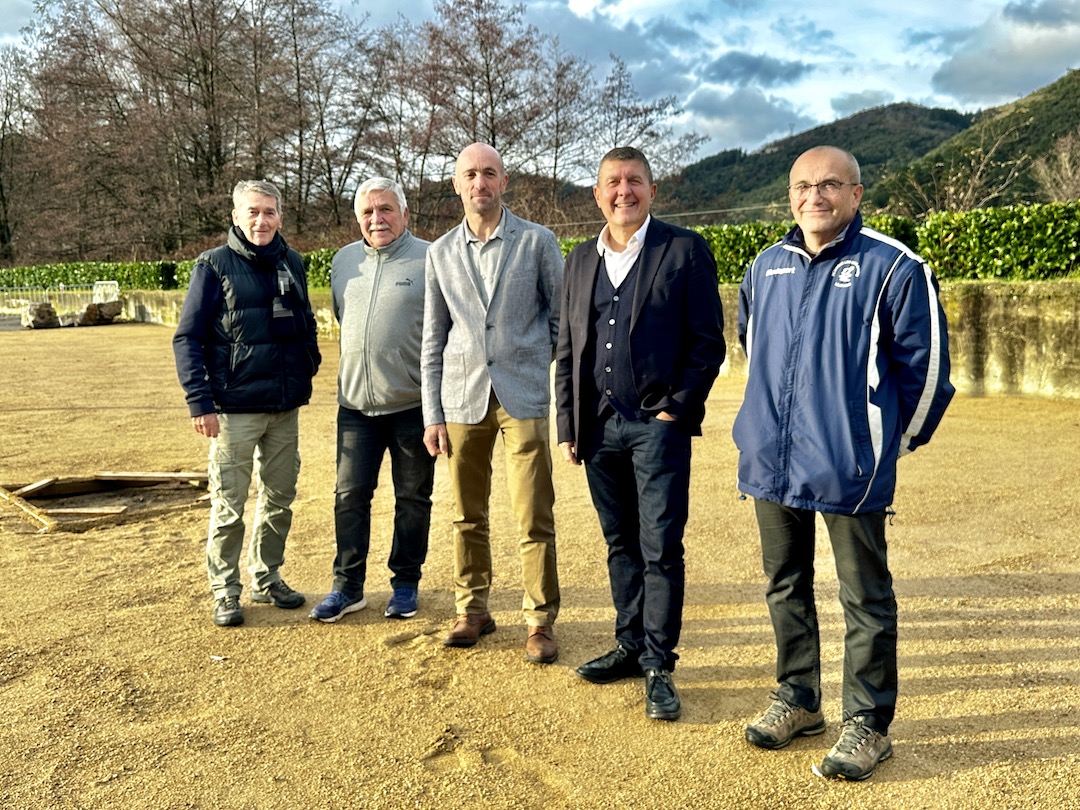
[[1007, 338]]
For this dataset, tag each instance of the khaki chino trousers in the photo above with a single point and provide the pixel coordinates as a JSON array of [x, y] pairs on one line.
[[526, 443]]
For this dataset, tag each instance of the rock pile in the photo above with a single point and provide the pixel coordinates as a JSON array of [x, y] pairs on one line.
[[40, 316]]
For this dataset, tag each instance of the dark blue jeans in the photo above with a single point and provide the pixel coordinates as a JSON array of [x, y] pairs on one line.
[[362, 441], [866, 595], [639, 478]]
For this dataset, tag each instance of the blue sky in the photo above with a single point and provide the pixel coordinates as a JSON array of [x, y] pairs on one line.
[[749, 71]]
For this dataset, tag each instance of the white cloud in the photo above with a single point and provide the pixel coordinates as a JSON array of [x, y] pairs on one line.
[[1012, 54], [851, 103], [747, 71], [745, 118], [14, 16]]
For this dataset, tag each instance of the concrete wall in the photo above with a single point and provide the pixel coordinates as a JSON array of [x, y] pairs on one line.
[[1007, 338]]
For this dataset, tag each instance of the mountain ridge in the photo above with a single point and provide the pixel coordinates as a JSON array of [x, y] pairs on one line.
[[891, 142]]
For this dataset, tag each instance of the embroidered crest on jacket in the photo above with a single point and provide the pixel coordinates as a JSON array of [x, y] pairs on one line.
[[845, 273]]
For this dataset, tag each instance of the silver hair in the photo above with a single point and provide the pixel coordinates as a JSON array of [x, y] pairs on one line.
[[379, 184], [264, 187]]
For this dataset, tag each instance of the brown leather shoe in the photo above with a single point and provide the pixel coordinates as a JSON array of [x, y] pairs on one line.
[[540, 646], [468, 629]]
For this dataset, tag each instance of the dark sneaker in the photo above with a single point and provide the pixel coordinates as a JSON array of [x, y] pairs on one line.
[[857, 753], [403, 604], [280, 594], [783, 722], [335, 605], [227, 612]]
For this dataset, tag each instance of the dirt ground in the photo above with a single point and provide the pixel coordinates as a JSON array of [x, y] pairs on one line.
[[116, 690]]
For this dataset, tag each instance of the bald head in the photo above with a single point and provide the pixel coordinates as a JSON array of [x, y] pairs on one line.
[[478, 153], [833, 155], [480, 180], [824, 193]]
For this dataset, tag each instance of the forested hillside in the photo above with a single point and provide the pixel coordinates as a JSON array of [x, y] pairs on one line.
[[914, 159], [884, 139]]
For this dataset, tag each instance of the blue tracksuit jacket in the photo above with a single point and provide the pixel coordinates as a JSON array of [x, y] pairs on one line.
[[848, 369]]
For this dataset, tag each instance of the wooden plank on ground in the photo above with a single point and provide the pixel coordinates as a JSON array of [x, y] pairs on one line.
[[135, 479], [105, 482], [62, 487], [43, 521], [30, 489], [85, 511]]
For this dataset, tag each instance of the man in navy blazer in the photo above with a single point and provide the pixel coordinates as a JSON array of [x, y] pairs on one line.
[[641, 339]]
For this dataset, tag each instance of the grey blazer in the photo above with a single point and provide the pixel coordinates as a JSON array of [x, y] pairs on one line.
[[469, 347]]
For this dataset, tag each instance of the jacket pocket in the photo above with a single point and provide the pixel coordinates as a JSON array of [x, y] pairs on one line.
[[454, 379]]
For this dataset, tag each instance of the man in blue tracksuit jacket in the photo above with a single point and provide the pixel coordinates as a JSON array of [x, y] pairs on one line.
[[848, 370]]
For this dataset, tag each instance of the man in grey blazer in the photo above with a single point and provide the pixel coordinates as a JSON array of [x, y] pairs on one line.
[[491, 322]]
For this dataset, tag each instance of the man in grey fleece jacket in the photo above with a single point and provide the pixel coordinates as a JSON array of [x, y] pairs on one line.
[[378, 298]]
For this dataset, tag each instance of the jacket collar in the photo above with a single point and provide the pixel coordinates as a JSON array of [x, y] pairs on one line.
[[794, 237], [393, 249]]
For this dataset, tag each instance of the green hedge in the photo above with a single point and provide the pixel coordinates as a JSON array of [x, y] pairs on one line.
[[1019, 242], [129, 275], [735, 246], [317, 265]]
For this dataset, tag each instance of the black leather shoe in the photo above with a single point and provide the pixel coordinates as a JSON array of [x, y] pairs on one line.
[[612, 666], [661, 696]]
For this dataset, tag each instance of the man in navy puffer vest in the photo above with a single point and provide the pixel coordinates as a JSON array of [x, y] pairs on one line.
[[246, 352]]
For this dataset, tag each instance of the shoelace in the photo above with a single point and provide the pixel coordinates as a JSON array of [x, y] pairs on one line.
[[777, 713], [855, 736]]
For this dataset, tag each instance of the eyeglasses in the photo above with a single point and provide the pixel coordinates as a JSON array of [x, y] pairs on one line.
[[826, 188]]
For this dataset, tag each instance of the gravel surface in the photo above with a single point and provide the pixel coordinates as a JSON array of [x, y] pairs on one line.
[[117, 691]]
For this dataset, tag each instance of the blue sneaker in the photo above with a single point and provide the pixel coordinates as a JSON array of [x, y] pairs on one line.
[[402, 604], [337, 604]]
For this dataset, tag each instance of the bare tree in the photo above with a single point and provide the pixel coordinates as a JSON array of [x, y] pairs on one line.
[[973, 177], [14, 123], [186, 61], [627, 120], [1058, 172], [342, 101], [405, 138], [565, 150], [145, 112], [492, 74], [84, 160]]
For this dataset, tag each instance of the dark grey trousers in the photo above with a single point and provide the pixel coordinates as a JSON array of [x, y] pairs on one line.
[[866, 596]]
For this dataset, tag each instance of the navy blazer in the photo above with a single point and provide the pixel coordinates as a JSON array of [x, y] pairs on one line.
[[676, 331]]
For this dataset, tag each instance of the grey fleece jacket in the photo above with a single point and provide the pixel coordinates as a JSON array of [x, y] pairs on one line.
[[378, 299]]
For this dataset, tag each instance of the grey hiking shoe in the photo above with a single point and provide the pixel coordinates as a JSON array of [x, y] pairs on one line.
[[783, 722], [227, 612], [857, 753], [280, 594]]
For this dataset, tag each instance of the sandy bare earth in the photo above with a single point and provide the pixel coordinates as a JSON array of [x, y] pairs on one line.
[[117, 691]]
